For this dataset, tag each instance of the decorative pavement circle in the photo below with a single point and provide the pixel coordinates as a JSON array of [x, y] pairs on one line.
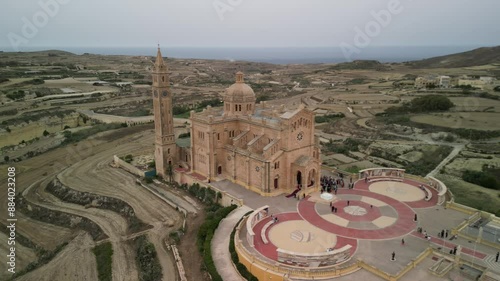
[[292, 233], [355, 210], [360, 214], [398, 190]]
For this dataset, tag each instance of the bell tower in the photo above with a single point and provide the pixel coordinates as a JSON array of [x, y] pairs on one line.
[[165, 148]]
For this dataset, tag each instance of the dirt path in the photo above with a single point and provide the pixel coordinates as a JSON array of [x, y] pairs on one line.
[[75, 262], [113, 225], [95, 175], [148, 208]]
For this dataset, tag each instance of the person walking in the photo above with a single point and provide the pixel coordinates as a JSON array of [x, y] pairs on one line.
[[403, 241], [498, 255]]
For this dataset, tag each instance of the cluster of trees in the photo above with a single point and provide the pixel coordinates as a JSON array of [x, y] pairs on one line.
[[16, 95], [147, 260], [9, 112], [103, 254], [184, 109], [428, 103], [328, 117], [205, 195], [483, 178], [70, 137]]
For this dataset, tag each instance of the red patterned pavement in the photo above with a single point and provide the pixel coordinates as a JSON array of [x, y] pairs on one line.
[[450, 245], [402, 226], [269, 249]]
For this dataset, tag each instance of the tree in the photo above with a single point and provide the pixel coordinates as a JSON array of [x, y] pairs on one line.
[[6, 158], [170, 172], [45, 133]]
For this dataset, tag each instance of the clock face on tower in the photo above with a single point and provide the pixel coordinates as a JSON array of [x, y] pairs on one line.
[[300, 136], [164, 94]]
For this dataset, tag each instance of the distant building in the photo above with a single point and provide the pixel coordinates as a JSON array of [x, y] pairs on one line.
[[433, 81], [476, 83], [426, 82], [444, 81]]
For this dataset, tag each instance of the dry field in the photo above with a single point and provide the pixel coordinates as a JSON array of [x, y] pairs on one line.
[[89, 170], [475, 104], [467, 120], [458, 165]]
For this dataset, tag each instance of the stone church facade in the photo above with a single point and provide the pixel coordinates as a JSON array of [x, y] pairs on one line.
[[269, 150]]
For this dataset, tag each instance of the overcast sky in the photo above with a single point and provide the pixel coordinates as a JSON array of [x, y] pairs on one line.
[[248, 22]]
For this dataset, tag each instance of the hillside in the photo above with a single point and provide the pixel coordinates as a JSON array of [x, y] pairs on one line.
[[481, 56]]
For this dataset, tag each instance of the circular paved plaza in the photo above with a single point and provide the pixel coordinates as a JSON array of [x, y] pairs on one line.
[[379, 210]]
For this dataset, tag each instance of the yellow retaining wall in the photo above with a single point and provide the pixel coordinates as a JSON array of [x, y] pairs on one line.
[[461, 208]]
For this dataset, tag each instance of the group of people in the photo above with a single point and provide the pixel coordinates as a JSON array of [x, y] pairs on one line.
[[329, 183]]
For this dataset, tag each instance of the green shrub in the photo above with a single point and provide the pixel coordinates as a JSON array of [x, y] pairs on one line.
[[147, 260], [103, 254], [481, 178], [204, 238], [234, 256]]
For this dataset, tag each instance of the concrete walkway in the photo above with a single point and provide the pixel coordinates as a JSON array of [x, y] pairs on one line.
[[456, 150], [220, 245]]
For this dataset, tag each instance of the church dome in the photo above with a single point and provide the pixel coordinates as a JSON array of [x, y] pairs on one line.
[[240, 89]]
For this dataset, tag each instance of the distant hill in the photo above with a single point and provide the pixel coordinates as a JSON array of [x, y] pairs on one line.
[[361, 64], [481, 56]]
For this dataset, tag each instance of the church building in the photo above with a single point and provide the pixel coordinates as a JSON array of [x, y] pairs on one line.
[[267, 149]]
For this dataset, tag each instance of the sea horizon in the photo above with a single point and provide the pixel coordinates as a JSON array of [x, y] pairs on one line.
[[274, 55]]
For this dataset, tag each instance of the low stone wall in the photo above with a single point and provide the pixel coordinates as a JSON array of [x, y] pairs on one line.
[[253, 219], [440, 187], [334, 257], [126, 166], [382, 172]]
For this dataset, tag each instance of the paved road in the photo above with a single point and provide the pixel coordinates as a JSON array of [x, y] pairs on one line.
[[220, 245], [456, 150]]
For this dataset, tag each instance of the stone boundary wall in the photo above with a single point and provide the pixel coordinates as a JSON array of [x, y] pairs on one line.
[[126, 166]]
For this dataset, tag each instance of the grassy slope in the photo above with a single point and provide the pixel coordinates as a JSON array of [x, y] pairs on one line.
[[472, 195]]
